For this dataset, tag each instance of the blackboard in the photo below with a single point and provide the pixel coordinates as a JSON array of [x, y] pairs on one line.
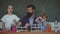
[[51, 7]]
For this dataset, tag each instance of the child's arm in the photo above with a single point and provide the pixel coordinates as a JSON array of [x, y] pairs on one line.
[[3, 25], [4, 28], [15, 21], [45, 23], [37, 19]]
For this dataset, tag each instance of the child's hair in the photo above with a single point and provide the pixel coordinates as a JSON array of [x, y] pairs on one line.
[[9, 5], [43, 14], [7, 8]]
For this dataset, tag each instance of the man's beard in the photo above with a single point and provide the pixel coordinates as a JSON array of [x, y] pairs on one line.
[[29, 14]]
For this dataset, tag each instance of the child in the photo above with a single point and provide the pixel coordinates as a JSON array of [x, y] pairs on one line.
[[41, 20], [9, 19]]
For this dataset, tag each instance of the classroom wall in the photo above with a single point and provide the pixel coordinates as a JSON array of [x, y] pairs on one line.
[[51, 7]]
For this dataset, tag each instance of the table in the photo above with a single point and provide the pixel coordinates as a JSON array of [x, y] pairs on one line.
[[30, 33]]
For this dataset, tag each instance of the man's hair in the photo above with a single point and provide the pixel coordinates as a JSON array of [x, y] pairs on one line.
[[33, 7]]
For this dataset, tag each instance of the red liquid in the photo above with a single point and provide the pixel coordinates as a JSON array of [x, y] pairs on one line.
[[14, 29]]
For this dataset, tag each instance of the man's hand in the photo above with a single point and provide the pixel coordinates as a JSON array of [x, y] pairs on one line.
[[27, 24]]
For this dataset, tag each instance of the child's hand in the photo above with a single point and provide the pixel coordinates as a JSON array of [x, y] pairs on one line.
[[39, 17], [15, 21], [5, 30], [48, 25]]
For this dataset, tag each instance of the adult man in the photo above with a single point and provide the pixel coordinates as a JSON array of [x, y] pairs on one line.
[[29, 18]]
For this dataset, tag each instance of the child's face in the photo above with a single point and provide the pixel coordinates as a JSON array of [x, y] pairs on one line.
[[43, 19], [10, 9]]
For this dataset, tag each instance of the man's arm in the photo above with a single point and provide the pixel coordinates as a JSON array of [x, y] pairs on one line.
[[25, 21], [22, 22]]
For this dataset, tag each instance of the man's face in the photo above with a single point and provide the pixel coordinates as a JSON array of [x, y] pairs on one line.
[[10, 9], [30, 10]]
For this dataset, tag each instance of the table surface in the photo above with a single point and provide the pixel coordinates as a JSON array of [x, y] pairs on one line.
[[29, 32]]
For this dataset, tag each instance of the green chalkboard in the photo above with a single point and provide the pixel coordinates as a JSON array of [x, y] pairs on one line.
[[51, 7]]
